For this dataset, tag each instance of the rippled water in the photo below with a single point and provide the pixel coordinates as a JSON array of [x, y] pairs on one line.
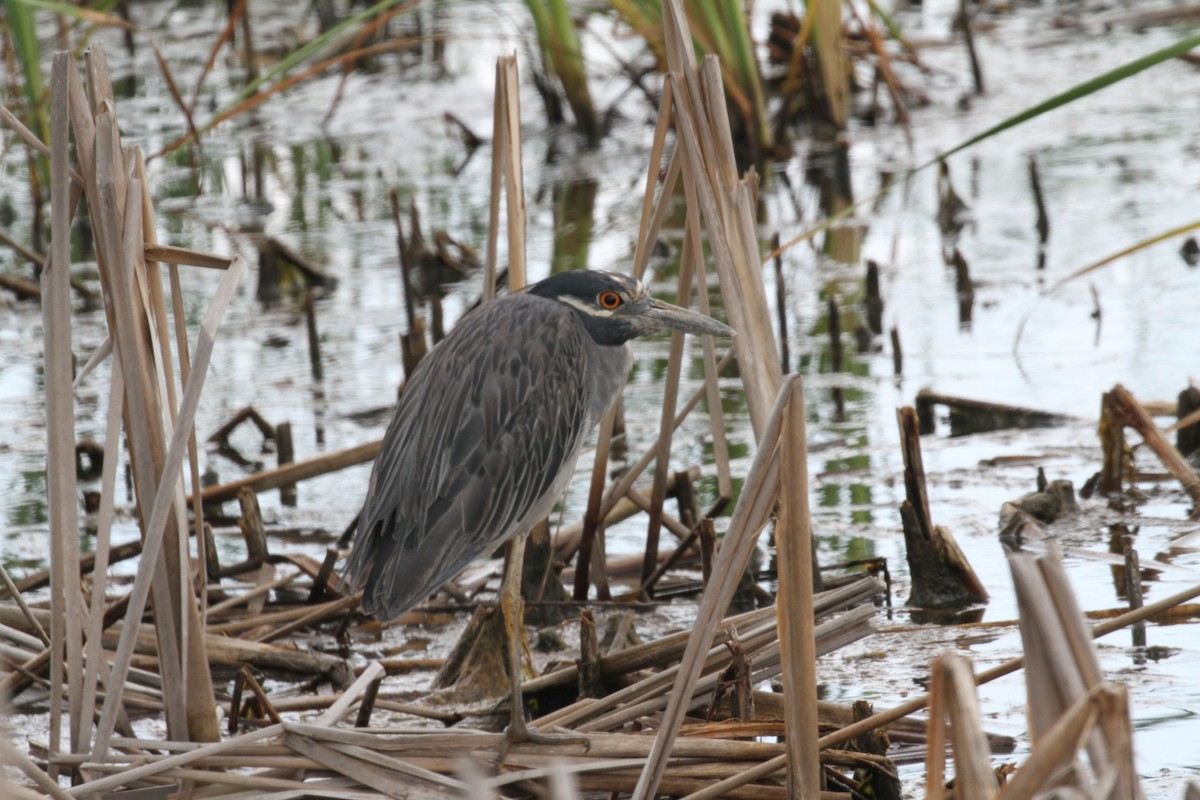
[[1116, 168]]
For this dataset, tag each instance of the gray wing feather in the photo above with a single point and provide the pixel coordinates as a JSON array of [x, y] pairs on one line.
[[486, 427]]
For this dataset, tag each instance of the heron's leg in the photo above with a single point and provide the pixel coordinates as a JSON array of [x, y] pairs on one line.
[[513, 607]]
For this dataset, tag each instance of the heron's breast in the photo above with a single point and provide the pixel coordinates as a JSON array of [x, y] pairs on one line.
[[608, 369]]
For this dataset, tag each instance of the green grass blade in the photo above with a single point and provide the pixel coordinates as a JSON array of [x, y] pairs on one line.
[[23, 32], [1079, 91]]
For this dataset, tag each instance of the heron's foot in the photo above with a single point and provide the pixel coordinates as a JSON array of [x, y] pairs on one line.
[[519, 731]]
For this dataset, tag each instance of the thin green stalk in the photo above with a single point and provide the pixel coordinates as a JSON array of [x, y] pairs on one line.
[[562, 55], [23, 33], [718, 27]]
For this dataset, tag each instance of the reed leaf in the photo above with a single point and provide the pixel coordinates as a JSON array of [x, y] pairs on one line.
[[718, 27], [23, 33], [562, 56]]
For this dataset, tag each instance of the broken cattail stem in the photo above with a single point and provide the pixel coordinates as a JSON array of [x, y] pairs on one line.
[[942, 576], [672, 559], [367, 704], [974, 416], [685, 498], [1133, 590], [963, 287], [1127, 412], [406, 257], [781, 305], [897, 354], [874, 299], [297, 471], [708, 544], [1187, 436], [590, 684], [593, 522], [249, 413], [212, 563], [965, 19], [286, 454], [314, 340], [1035, 183], [321, 581], [835, 335], [235, 701]]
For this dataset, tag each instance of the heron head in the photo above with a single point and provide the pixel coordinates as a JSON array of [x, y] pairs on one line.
[[616, 308]]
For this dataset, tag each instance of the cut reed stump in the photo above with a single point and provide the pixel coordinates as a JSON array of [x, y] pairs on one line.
[[1120, 410], [942, 577], [1187, 434]]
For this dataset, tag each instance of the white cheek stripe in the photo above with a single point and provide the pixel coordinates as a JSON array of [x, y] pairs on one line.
[[586, 308]]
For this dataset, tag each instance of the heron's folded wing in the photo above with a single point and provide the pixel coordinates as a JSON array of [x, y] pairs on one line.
[[485, 428]]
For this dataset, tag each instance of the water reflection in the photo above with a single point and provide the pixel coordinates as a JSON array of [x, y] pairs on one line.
[[574, 212]]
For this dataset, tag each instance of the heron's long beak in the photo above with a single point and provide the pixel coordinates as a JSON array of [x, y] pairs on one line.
[[664, 316]]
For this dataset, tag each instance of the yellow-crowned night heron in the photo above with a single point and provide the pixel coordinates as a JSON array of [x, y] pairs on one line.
[[489, 427]]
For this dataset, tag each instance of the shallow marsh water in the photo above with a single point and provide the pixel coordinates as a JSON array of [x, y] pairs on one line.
[[1116, 168]]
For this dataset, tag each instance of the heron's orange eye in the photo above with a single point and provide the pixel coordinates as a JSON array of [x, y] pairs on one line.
[[609, 300]]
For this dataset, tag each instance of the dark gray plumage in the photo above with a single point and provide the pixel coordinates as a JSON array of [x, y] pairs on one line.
[[488, 429]]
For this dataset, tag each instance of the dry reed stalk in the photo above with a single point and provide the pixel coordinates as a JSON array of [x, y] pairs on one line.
[[261, 590], [1054, 677], [12, 757], [228, 651], [373, 673], [793, 602], [895, 713], [134, 774], [507, 169], [670, 648], [292, 473], [828, 44], [647, 233], [118, 761], [952, 697], [1058, 746], [316, 615], [395, 764], [104, 552], [662, 458], [648, 695], [651, 221], [712, 370], [397, 783], [593, 523], [26, 611], [117, 217], [749, 518], [1062, 666], [66, 600], [728, 211], [168, 254], [621, 487]]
